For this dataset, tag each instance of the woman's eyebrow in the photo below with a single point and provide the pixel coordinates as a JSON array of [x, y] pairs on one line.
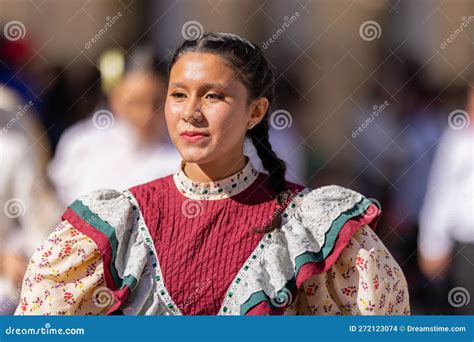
[[214, 85], [178, 85], [203, 85]]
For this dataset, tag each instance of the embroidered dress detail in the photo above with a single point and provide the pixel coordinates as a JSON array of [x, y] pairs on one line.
[[221, 189]]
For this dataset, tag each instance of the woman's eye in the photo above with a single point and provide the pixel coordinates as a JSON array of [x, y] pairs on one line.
[[178, 95], [214, 96]]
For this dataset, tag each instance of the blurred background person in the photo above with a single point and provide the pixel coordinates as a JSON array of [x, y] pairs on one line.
[[446, 237], [28, 207], [122, 144]]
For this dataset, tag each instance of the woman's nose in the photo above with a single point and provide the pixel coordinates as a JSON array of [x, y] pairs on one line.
[[192, 107]]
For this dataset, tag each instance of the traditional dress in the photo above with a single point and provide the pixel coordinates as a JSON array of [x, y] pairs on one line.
[[173, 246]]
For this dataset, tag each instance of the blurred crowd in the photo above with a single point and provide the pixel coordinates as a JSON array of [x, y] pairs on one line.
[[413, 146]]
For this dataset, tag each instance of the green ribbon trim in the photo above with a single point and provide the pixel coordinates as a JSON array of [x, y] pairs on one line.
[[104, 227], [331, 235]]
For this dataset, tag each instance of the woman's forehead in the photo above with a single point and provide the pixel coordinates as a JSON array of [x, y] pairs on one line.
[[203, 68]]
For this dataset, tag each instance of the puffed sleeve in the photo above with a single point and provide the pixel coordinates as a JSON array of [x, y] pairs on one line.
[[325, 259], [364, 280], [65, 276], [100, 260]]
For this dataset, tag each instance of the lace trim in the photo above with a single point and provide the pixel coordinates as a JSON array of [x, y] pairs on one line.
[[163, 293], [221, 189]]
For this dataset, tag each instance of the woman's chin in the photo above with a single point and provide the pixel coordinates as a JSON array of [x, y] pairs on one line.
[[195, 155]]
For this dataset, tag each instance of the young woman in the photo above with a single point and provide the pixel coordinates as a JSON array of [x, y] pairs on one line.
[[217, 237]]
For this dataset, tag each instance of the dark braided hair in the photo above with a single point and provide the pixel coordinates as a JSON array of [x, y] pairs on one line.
[[255, 73]]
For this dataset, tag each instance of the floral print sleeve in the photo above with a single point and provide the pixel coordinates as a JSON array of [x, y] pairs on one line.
[[365, 280], [65, 277]]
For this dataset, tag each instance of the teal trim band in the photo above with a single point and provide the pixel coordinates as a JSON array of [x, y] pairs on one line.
[[331, 235], [131, 281], [104, 227]]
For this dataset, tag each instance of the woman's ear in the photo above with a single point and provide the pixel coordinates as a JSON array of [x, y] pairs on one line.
[[258, 110]]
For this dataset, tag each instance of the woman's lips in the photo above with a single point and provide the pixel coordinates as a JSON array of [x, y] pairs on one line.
[[193, 137]]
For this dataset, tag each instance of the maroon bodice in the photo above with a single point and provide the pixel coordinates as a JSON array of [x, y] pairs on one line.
[[202, 243]]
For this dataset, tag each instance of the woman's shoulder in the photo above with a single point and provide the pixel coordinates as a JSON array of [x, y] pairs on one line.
[[329, 202], [98, 207], [321, 221]]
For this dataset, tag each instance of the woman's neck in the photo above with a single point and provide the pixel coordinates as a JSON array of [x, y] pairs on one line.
[[215, 170]]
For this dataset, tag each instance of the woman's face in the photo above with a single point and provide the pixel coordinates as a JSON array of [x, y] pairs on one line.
[[204, 81]]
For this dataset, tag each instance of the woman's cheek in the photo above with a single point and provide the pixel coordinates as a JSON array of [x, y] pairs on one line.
[[174, 108], [172, 111]]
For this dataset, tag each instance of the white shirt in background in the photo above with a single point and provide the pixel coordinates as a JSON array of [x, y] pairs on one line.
[[447, 214], [89, 158]]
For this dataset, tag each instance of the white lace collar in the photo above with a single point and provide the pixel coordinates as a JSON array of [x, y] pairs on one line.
[[224, 188]]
